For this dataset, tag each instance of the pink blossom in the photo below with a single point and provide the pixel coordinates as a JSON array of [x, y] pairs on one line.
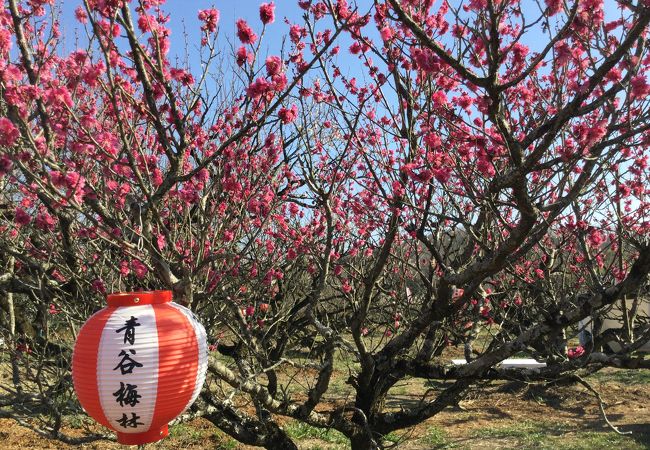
[[279, 82], [614, 75], [296, 32], [267, 13], [592, 5], [624, 190], [81, 15], [465, 101], [476, 5], [5, 41], [5, 165], [147, 23], [58, 178], [72, 180], [98, 286], [243, 56], [443, 174], [595, 238], [432, 140], [181, 75], [576, 352], [408, 168], [554, 6], [640, 87], [124, 268], [59, 96], [245, 33], [288, 115], [426, 60], [231, 185], [8, 132], [593, 134], [485, 167], [519, 52], [21, 217], [355, 48], [228, 235], [423, 176], [189, 193], [45, 221], [249, 311], [273, 65], [258, 88], [562, 53], [387, 33], [139, 269], [210, 19], [439, 98], [203, 175], [23, 347]]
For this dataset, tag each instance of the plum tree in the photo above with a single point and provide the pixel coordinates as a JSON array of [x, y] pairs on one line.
[[478, 179]]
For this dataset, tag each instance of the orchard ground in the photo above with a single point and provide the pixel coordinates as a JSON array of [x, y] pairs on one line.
[[495, 416]]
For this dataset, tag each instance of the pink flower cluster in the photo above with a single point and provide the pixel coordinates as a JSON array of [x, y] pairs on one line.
[[210, 19], [267, 13], [258, 88], [262, 87], [8, 132], [5, 165], [273, 65], [288, 115], [243, 56], [576, 352], [245, 32]]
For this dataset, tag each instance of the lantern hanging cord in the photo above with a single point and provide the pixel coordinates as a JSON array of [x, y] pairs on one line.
[[136, 213], [140, 239]]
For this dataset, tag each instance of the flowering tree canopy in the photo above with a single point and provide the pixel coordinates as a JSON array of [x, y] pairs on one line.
[[480, 179]]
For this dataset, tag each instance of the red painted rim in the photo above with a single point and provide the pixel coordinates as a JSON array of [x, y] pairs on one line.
[[139, 298], [142, 438]]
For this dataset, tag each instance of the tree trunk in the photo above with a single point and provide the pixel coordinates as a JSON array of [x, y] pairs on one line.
[[247, 429], [277, 438], [362, 442]]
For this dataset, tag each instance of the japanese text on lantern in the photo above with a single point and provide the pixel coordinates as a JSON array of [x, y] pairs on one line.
[[127, 394]]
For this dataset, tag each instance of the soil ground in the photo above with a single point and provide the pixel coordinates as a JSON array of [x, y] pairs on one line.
[[499, 416]]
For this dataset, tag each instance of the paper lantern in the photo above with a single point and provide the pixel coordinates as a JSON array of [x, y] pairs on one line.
[[139, 363]]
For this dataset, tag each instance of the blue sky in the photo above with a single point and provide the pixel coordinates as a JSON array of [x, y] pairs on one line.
[[184, 20]]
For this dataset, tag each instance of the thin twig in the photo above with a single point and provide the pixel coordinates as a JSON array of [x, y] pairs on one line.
[[601, 404]]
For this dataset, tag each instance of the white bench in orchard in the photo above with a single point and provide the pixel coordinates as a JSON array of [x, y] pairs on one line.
[[515, 363]]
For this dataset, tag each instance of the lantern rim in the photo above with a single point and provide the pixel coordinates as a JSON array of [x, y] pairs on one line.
[[146, 437], [137, 298]]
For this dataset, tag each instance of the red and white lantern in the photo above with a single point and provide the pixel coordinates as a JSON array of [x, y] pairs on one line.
[[139, 363]]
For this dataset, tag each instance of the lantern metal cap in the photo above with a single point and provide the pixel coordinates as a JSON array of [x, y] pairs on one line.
[[139, 298]]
